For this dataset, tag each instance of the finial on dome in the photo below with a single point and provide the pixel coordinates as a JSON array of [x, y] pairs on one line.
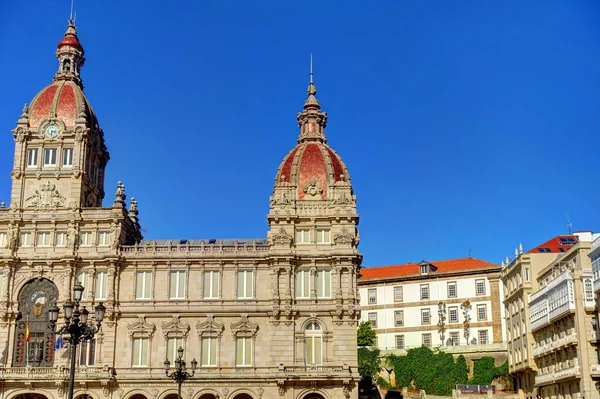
[[70, 54], [312, 120]]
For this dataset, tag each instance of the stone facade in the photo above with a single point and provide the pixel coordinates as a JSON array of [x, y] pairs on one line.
[[266, 318]]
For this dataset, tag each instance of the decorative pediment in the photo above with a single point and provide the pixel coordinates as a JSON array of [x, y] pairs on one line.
[[141, 328], [209, 327], [344, 237], [175, 328], [46, 198], [282, 237], [244, 327], [313, 190]]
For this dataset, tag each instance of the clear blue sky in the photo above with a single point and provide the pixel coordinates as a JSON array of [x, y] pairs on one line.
[[464, 124]]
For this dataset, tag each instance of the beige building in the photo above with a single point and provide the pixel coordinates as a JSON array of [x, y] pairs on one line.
[[425, 303], [274, 317], [549, 309]]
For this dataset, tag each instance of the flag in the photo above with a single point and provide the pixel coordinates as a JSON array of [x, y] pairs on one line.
[[27, 337], [59, 343]]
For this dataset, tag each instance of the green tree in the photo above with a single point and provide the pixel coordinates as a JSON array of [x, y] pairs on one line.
[[485, 371], [461, 370], [365, 335], [368, 362]]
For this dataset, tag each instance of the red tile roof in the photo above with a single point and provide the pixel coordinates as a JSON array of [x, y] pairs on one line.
[[409, 269], [555, 245]]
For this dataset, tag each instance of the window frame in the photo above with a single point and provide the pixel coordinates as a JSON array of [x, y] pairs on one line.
[[175, 342], [427, 294], [103, 238], [304, 234], [177, 295], [452, 335], [100, 282], [83, 279], [426, 337], [141, 341], [398, 293], [87, 242], [323, 289], [146, 275], [245, 284], [50, 154], [450, 310], [33, 154], [479, 308], [372, 316], [43, 236], [401, 337], [313, 333], [245, 341], [60, 239], [480, 341], [85, 353], [399, 316], [372, 296], [214, 283], [211, 341], [483, 291], [455, 285], [302, 291], [326, 236], [67, 155], [426, 311], [24, 239]]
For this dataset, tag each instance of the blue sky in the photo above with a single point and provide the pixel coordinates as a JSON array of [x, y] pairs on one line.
[[464, 125]]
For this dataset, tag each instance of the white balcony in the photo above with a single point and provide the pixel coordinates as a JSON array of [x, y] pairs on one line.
[[552, 377], [595, 370]]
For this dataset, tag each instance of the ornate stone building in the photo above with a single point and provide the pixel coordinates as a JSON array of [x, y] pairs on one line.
[[266, 318]]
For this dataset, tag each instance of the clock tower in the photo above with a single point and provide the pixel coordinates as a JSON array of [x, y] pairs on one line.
[[60, 155]]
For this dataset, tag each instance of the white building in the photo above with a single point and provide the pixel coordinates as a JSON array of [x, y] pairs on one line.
[[424, 304]]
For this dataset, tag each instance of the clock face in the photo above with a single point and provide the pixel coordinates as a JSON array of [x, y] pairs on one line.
[[51, 131]]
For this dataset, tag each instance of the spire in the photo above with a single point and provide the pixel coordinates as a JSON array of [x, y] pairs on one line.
[[312, 120], [70, 55]]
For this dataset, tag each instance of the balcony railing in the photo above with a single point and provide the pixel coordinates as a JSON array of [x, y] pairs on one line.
[[569, 372], [595, 370], [54, 372], [558, 343]]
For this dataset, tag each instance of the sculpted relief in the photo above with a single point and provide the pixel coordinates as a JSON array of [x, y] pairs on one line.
[[46, 197]]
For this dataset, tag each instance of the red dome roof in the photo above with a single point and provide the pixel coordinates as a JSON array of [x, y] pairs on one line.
[[70, 41], [64, 99], [312, 160]]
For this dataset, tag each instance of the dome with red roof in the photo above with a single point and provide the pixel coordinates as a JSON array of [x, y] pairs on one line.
[[312, 166], [63, 100]]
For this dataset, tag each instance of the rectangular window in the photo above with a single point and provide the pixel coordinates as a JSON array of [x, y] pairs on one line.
[[209, 352], [483, 337], [399, 318], [480, 287], [302, 284], [323, 236], [453, 314], [398, 295], [50, 157], [85, 238], [314, 348], [481, 312], [455, 338], [67, 158], [61, 239], [425, 319], [303, 236], [373, 319], [399, 341], [143, 285], [3, 240], [25, 239], [372, 296], [172, 345], [243, 351], [177, 284], [423, 269], [324, 284], [426, 340], [211, 284], [32, 158], [140, 352], [82, 278], [526, 274], [43, 239], [452, 289], [87, 352], [103, 238], [424, 291], [100, 292], [244, 284]]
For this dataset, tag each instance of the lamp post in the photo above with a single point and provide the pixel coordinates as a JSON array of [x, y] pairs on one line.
[[180, 374], [76, 326]]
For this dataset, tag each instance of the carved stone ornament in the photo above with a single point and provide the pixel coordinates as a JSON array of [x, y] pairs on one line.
[[344, 237], [313, 189], [281, 199], [175, 328], [346, 390], [343, 199], [225, 393], [16, 173], [141, 328], [209, 327], [281, 387], [46, 198], [282, 237], [244, 327], [12, 237], [20, 135], [260, 392], [154, 392]]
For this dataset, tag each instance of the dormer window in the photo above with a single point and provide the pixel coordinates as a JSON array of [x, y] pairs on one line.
[[424, 268]]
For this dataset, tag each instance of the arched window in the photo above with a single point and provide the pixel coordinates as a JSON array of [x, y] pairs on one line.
[[314, 343], [67, 66]]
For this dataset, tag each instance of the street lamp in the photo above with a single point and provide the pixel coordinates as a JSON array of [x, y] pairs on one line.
[[76, 328], [179, 374]]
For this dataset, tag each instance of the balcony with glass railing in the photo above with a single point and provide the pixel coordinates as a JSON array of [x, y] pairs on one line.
[[559, 375]]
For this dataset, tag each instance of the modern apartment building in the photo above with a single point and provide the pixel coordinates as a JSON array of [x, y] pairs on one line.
[[442, 303], [549, 314]]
